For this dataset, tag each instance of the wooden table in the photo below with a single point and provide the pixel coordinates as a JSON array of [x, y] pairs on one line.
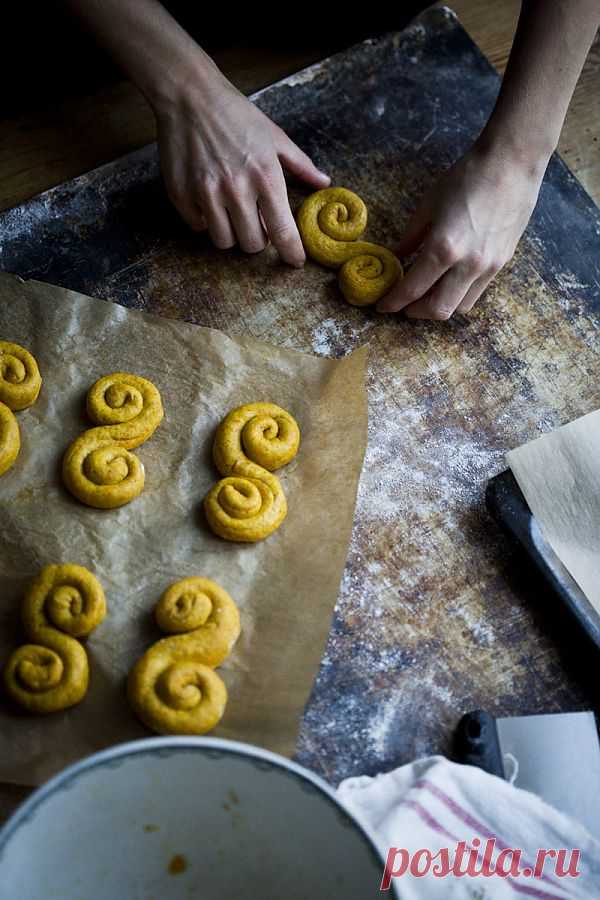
[[486, 595], [72, 135]]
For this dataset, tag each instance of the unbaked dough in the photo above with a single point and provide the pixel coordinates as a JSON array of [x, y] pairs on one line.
[[330, 222], [248, 504], [98, 468], [173, 688], [20, 383], [64, 603]]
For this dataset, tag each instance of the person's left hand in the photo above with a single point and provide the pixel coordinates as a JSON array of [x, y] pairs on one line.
[[467, 227]]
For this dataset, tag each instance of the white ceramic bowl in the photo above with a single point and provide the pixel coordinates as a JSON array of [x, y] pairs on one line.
[[173, 818]]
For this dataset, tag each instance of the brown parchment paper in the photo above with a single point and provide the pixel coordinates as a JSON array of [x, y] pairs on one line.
[[286, 586], [559, 475]]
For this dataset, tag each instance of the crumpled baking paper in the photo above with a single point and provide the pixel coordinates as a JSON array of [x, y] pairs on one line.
[[285, 586]]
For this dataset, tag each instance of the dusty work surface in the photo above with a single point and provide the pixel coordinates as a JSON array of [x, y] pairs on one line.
[[438, 613]]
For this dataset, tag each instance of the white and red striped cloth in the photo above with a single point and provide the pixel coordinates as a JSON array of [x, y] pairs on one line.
[[433, 804]]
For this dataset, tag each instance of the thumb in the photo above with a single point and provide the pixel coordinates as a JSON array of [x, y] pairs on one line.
[[415, 231], [297, 163]]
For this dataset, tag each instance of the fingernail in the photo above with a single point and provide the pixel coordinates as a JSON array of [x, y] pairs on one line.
[[324, 175], [296, 261]]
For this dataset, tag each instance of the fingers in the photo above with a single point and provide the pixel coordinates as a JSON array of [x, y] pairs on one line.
[[444, 297], [219, 225], [457, 290], [475, 292], [436, 257], [246, 222], [191, 213], [184, 203], [279, 221], [251, 210], [415, 231], [258, 210], [245, 203], [295, 161]]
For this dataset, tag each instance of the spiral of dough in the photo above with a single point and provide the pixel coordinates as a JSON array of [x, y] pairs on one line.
[[20, 379], [98, 468], [330, 222], [63, 603], [262, 432], [172, 688], [10, 438], [20, 383], [248, 504]]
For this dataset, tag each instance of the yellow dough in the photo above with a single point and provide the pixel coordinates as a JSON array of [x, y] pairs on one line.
[[173, 688], [52, 673], [98, 468], [330, 223], [20, 379], [10, 438], [248, 504], [20, 384]]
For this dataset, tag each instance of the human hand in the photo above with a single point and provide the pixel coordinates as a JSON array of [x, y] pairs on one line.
[[467, 227], [223, 160]]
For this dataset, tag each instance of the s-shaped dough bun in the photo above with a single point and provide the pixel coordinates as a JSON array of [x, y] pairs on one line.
[[330, 222], [98, 468], [248, 504], [51, 673], [20, 383], [172, 688]]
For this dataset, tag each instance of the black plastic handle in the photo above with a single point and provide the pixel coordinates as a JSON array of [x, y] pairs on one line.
[[477, 744]]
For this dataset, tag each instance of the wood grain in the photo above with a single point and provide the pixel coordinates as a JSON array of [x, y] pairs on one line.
[[42, 148], [492, 27], [70, 136], [437, 614]]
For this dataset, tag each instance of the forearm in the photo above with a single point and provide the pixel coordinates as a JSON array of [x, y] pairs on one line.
[[552, 40], [222, 159], [148, 44]]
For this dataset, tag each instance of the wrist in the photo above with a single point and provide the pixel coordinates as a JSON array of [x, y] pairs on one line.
[[504, 144], [190, 80]]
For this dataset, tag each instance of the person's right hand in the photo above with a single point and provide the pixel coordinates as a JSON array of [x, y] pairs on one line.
[[222, 161]]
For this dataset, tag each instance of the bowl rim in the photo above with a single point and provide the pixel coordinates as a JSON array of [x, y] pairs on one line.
[[148, 746]]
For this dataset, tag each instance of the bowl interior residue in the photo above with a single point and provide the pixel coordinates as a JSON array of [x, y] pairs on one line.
[[193, 819]]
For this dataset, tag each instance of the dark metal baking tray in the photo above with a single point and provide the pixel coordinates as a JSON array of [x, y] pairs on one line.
[[507, 504]]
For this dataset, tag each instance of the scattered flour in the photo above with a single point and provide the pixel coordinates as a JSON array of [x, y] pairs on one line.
[[380, 724], [331, 335], [325, 335], [568, 282], [483, 633]]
